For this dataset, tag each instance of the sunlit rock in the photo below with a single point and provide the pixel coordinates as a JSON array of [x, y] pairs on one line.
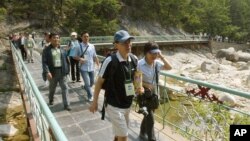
[[7, 130], [209, 66]]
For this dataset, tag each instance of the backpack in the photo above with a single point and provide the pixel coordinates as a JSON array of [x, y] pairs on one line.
[[69, 44], [43, 43], [108, 82]]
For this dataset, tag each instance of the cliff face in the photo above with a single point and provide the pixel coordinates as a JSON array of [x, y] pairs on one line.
[[147, 28], [6, 29]]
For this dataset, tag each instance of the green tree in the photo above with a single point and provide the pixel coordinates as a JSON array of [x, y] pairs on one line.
[[3, 13]]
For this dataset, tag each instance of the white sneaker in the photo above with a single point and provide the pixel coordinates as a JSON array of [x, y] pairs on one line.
[[91, 99], [46, 84]]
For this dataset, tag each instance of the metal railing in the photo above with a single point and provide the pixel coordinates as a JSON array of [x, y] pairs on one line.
[[45, 122], [200, 115], [110, 39]]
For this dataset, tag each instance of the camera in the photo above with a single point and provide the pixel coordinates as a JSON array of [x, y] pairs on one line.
[[143, 111]]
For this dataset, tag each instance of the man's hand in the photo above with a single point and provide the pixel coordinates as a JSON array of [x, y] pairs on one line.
[[82, 60], [140, 90], [93, 107], [49, 76]]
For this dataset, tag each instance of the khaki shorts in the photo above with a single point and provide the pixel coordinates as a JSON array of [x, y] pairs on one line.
[[119, 119]]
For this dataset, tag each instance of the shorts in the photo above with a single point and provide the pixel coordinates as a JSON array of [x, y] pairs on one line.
[[119, 119]]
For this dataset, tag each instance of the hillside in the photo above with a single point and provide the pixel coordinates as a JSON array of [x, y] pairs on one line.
[[140, 17]]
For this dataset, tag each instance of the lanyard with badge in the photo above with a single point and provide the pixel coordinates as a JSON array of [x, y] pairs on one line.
[[129, 86], [56, 53]]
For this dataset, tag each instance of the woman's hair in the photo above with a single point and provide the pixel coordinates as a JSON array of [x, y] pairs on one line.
[[84, 32], [46, 33], [79, 39], [53, 34], [151, 45]]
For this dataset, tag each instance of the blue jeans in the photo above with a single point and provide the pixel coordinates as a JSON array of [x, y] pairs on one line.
[[88, 78]]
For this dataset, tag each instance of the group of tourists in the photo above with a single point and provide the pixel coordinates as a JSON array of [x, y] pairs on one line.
[[79, 57], [119, 89], [25, 43], [116, 76], [82, 56]]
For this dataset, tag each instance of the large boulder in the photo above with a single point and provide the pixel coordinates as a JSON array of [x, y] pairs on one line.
[[243, 56], [209, 66], [230, 54], [234, 57], [224, 52]]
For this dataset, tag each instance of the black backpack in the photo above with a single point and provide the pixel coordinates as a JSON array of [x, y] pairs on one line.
[[108, 82]]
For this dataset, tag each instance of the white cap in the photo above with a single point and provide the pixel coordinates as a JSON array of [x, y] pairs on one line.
[[73, 34]]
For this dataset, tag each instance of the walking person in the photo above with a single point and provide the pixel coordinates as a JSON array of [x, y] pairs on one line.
[[15, 40], [86, 55], [46, 40], [119, 92], [22, 48], [148, 66], [45, 43], [56, 67], [29, 44], [74, 64]]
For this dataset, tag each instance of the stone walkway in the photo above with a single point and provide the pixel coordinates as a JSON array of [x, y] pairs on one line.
[[81, 125]]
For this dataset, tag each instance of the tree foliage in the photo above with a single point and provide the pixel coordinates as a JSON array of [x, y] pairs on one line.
[[228, 18]]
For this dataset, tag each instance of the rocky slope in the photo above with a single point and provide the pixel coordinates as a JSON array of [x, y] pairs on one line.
[[188, 62]]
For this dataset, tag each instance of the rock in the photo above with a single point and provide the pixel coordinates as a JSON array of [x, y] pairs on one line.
[[7, 130], [224, 52], [223, 61], [227, 98], [225, 67], [248, 50], [21, 138], [243, 65], [209, 66], [199, 76], [234, 57], [243, 56], [248, 81]]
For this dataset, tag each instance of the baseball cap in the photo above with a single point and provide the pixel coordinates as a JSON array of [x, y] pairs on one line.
[[73, 34], [122, 36]]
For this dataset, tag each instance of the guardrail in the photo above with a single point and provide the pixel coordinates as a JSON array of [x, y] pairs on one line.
[[46, 125], [109, 39], [198, 112]]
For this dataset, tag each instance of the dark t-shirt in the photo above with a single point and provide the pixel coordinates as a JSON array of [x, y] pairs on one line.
[[115, 91]]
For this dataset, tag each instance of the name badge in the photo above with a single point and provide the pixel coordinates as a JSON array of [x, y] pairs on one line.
[[58, 63], [129, 87]]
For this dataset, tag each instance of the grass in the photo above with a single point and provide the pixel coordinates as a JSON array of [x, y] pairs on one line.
[[16, 117], [3, 66], [214, 116]]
